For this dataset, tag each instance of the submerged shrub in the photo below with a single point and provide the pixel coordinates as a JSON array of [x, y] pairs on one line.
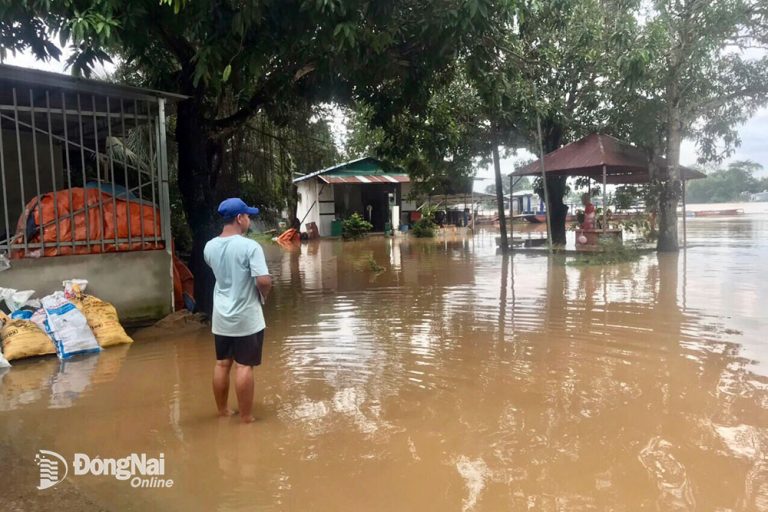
[[355, 227], [423, 228], [611, 251]]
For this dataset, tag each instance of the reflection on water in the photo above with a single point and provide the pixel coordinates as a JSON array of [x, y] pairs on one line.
[[457, 379]]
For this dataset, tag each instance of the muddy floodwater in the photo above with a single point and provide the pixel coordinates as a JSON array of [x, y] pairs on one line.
[[453, 380]]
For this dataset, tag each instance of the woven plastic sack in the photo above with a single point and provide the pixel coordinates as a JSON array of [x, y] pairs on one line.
[[102, 319], [68, 327], [15, 299], [21, 338]]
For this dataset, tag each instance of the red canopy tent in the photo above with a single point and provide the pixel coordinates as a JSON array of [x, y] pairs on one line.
[[602, 156]]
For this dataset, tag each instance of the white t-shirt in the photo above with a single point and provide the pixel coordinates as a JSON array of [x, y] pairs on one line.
[[236, 262]]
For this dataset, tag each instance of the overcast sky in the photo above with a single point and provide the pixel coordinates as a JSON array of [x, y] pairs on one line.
[[754, 133]]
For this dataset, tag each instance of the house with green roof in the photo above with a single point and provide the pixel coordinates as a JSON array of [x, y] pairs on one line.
[[368, 186]]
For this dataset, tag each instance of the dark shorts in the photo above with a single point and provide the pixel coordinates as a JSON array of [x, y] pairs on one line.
[[245, 350]]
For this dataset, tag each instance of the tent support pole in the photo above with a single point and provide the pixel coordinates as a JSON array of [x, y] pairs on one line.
[[472, 205], [685, 233], [511, 211], [605, 201]]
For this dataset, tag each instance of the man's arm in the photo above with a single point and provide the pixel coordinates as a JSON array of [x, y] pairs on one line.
[[260, 272], [264, 285]]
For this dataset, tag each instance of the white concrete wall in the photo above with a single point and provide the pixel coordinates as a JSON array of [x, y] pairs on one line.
[[139, 283]]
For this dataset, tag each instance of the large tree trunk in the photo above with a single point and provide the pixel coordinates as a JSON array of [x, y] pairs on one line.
[[500, 198], [672, 189], [556, 186], [199, 162], [558, 211]]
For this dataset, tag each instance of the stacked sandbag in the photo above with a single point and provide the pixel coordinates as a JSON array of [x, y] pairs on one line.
[[68, 323], [101, 315], [68, 327], [20, 338], [103, 320]]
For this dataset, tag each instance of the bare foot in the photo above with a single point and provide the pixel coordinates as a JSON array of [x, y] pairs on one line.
[[247, 419], [226, 413]]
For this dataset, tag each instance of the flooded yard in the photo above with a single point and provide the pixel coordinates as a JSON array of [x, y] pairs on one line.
[[455, 379]]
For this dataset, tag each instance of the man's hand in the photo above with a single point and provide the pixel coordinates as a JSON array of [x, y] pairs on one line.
[[264, 285]]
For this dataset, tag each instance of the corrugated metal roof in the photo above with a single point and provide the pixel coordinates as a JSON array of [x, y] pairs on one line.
[[37, 78], [366, 179], [624, 163], [367, 167]]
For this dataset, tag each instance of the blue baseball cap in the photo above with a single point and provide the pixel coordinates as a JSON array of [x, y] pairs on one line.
[[234, 206]]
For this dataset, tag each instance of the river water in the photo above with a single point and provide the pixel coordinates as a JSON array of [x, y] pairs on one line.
[[453, 380]]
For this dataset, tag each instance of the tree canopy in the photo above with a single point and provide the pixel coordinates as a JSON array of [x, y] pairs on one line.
[[440, 146], [725, 185], [691, 71]]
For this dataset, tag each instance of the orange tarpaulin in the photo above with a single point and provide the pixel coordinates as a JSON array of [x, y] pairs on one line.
[[64, 212], [288, 236], [183, 285]]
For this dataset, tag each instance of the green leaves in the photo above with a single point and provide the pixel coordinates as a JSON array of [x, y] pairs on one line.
[[683, 57], [225, 74], [89, 24], [345, 35], [355, 227], [177, 5], [83, 59]]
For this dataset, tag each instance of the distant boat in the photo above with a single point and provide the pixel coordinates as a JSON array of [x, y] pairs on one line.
[[716, 213]]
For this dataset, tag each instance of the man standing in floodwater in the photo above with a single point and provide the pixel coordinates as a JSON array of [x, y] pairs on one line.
[[242, 285]]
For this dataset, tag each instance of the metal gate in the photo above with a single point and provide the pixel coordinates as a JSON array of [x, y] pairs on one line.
[[62, 138]]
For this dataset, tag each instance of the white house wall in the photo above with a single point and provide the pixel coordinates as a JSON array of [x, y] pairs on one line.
[[315, 205], [307, 196]]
